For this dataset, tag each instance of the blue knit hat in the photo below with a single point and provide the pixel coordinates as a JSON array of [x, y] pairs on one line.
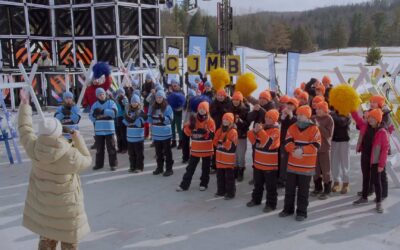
[[68, 95], [174, 81], [194, 85], [135, 99], [160, 93], [207, 84], [149, 76], [100, 91], [158, 87], [197, 79], [120, 91]]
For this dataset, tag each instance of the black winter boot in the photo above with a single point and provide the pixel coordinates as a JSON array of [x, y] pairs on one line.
[[317, 187]]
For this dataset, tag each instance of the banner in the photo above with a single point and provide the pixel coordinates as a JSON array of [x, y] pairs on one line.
[[213, 62], [193, 64], [293, 60], [233, 65], [171, 64], [273, 85], [198, 46]]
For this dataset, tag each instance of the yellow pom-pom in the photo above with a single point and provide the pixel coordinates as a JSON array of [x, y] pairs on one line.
[[219, 78], [246, 84], [344, 99], [397, 115]]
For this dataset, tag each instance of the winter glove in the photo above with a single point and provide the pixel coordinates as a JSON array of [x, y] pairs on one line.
[[161, 117], [129, 118], [298, 153], [97, 112], [192, 122]]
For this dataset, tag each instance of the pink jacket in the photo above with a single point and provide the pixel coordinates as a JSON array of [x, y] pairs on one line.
[[380, 144]]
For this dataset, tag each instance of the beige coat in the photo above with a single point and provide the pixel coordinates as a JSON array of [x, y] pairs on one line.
[[54, 203]]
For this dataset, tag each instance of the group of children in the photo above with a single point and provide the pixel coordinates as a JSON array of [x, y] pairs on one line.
[[293, 139]]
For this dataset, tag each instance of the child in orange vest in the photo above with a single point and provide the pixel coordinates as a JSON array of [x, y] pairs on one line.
[[200, 129], [225, 142], [266, 142], [302, 142]]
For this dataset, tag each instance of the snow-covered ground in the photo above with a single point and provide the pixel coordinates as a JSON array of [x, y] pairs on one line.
[[144, 212], [319, 64]]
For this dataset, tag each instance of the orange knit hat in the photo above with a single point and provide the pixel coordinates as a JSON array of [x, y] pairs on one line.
[[297, 91], [303, 86], [265, 95], [205, 106], [238, 96], [303, 96], [318, 99], [380, 100], [221, 92], [326, 81], [228, 116], [322, 106], [284, 99], [304, 110], [273, 114], [294, 101], [377, 114]]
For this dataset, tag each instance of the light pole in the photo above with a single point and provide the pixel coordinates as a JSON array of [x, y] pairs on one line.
[[225, 26]]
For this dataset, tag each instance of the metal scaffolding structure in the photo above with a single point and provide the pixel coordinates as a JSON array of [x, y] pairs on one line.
[[73, 30]]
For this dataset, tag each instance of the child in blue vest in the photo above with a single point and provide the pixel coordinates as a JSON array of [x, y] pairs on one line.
[[102, 114], [68, 115], [121, 101], [134, 120], [160, 117]]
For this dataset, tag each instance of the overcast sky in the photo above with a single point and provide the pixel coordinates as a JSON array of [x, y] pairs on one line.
[[246, 6]]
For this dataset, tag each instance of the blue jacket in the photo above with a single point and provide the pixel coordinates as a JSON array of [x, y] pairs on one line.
[[121, 106], [69, 118], [102, 114], [161, 123], [134, 122]]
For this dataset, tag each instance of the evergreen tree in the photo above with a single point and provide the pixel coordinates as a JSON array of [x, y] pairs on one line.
[[356, 29], [301, 40], [374, 55], [338, 37], [279, 38]]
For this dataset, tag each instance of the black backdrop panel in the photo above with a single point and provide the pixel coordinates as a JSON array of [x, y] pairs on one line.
[[82, 22], [6, 52], [129, 24], [63, 22], [106, 51], [5, 21], [80, 1], [105, 20], [18, 26], [149, 23], [150, 50], [39, 22], [153, 2], [129, 49]]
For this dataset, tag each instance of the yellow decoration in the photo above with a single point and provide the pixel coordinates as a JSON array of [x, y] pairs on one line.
[[246, 84], [219, 78], [365, 97], [344, 99]]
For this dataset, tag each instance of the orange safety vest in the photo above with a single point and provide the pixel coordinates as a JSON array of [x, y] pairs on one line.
[[266, 148], [201, 137], [226, 143], [310, 141]]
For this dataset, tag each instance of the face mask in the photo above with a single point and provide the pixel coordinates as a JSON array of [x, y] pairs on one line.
[[202, 117], [303, 125]]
